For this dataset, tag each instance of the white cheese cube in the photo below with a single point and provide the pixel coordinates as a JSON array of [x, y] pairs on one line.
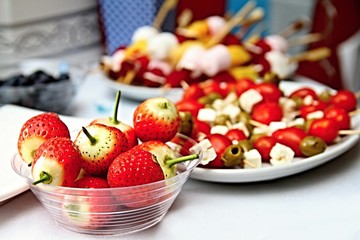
[[207, 115], [315, 115], [252, 159], [232, 111], [221, 129], [281, 154], [249, 98], [276, 126]]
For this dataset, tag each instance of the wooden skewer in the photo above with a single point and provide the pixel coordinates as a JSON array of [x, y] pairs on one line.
[[237, 19], [295, 27], [349, 132], [163, 12], [265, 127], [306, 39], [354, 113], [184, 18], [312, 55], [255, 16], [357, 94]]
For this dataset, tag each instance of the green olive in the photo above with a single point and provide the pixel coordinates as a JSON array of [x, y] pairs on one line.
[[298, 101], [221, 119], [246, 145], [325, 95], [233, 156], [271, 77], [245, 118], [307, 124], [311, 145], [210, 98], [187, 123]]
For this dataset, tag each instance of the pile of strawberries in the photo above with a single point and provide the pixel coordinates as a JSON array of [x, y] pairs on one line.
[[107, 152], [250, 123]]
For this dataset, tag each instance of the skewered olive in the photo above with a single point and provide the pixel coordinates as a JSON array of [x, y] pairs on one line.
[[325, 95], [245, 145], [210, 98], [187, 123], [233, 156], [221, 119], [311, 145]]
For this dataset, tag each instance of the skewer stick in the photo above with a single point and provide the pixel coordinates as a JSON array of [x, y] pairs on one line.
[[163, 11], [306, 39], [184, 18], [237, 19], [312, 55], [259, 125], [295, 27], [255, 16], [357, 95], [349, 132], [354, 113]]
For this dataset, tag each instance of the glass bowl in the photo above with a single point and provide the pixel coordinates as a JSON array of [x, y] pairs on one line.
[[108, 211], [45, 95]]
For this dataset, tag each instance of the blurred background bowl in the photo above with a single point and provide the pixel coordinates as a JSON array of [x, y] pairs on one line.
[[105, 211], [43, 84]]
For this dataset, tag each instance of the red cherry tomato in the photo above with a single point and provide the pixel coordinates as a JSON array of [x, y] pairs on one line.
[[200, 127], [211, 86], [269, 91], [224, 76], [235, 134], [345, 99], [189, 105], [290, 137], [339, 115], [194, 91], [243, 84], [303, 92], [324, 128], [316, 105], [264, 145], [175, 78], [219, 143], [266, 112]]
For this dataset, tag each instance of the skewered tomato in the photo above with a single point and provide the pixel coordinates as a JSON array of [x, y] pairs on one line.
[[345, 99], [266, 112], [324, 128], [291, 137]]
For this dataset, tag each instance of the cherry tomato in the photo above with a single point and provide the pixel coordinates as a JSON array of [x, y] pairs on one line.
[[224, 76], [175, 78], [303, 92], [269, 91], [290, 137], [345, 99], [243, 84], [219, 143], [324, 128], [264, 144], [211, 86], [194, 91], [235, 134], [316, 105], [266, 112], [189, 105], [200, 127], [339, 115]]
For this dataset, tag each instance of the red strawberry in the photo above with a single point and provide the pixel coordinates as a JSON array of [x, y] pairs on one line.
[[56, 162], [134, 167], [99, 145], [162, 152], [114, 122], [156, 119], [91, 182], [36, 130]]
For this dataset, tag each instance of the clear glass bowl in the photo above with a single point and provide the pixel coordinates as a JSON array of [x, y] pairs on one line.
[[54, 96], [112, 210]]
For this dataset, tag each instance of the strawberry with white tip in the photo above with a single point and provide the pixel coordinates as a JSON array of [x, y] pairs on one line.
[[156, 119], [36, 130], [99, 145], [114, 122], [56, 162]]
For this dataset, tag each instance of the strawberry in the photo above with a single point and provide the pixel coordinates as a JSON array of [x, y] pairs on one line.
[[56, 162], [99, 145], [162, 152], [37, 130], [134, 167], [91, 182], [156, 119], [114, 122]]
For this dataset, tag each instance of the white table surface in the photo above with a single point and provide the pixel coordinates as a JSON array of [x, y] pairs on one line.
[[323, 203]]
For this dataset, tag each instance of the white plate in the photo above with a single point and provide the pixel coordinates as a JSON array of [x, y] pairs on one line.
[[268, 172], [139, 93], [12, 118]]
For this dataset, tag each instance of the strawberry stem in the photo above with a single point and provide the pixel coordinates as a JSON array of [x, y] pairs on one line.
[[44, 178], [91, 138], [116, 107], [171, 162]]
